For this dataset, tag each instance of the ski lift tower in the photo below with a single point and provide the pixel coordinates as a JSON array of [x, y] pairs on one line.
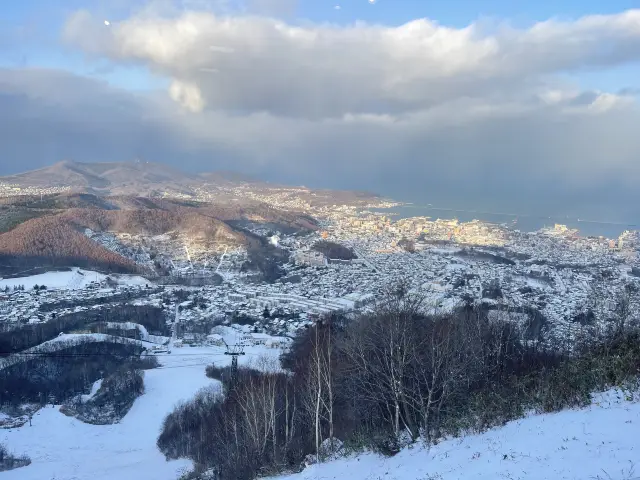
[[235, 351]]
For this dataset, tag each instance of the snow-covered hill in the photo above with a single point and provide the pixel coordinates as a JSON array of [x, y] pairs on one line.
[[64, 448], [601, 442], [64, 341], [73, 279]]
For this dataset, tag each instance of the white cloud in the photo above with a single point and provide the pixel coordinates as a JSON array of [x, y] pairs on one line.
[[187, 94], [467, 152], [317, 71], [607, 101]]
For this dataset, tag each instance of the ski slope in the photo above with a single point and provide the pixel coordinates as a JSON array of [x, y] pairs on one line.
[[63, 448], [601, 442], [74, 279]]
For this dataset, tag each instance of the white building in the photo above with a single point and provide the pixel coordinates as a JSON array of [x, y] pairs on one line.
[[309, 257], [215, 339]]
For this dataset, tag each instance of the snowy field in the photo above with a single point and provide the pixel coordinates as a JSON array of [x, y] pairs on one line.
[[601, 442], [63, 448], [74, 279]]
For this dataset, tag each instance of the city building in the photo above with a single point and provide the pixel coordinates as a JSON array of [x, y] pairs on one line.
[[309, 257]]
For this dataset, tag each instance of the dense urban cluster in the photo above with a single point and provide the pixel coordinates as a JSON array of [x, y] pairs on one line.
[[553, 274], [10, 190]]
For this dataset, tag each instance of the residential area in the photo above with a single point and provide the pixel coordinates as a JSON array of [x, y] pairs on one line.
[[554, 275]]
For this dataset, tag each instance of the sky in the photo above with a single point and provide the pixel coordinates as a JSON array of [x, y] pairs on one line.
[[499, 105]]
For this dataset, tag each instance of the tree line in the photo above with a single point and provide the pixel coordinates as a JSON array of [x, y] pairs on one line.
[[9, 461], [115, 396], [15, 339], [57, 375], [385, 379]]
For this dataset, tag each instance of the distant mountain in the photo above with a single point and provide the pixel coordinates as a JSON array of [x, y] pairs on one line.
[[146, 199], [147, 179], [113, 178], [47, 231], [58, 175], [57, 239]]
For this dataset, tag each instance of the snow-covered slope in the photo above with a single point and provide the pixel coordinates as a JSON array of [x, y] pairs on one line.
[[94, 389], [600, 442], [64, 448], [73, 279]]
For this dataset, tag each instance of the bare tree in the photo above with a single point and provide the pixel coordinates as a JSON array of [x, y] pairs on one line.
[[381, 350], [258, 406], [318, 395], [441, 370], [625, 308]]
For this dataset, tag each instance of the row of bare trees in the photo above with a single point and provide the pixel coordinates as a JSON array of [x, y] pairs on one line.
[[246, 430], [399, 373], [376, 381]]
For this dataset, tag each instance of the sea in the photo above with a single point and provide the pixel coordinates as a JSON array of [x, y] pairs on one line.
[[525, 223]]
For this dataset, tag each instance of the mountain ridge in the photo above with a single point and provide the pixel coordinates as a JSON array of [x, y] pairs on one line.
[[119, 177], [104, 178], [139, 178]]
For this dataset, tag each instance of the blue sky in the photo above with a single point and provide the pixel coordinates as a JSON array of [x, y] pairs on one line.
[[459, 13], [32, 30], [451, 12]]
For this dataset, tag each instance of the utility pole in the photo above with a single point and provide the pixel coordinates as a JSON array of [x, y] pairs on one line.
[[235, 351]]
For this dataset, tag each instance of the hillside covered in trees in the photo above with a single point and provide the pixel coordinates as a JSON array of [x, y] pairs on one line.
[[383, 380], [152, 222], [49, 231], [334, 250], [52, 242]]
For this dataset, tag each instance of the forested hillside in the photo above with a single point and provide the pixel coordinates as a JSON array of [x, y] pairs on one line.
[[152, 222], [52, 241]]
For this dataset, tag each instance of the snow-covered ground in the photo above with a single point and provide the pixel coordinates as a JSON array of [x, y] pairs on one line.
[[64, 448], [600, 442], [73, 279]]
